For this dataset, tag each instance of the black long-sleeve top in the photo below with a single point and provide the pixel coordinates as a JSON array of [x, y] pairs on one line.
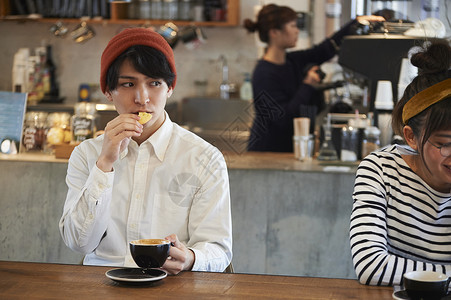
[[279, 94]]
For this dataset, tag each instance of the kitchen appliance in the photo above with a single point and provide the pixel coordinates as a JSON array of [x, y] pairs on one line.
[[366, 59]]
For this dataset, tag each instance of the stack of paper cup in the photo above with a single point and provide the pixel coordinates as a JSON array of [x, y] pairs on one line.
[[302, 140], [384, 106], [406, 75], [384, 95], [301, 126]]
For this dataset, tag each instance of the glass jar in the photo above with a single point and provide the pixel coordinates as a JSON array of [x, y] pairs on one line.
[[303, 147], [430, 9], [134, 9], [34, 132], [83, 122], [156, 9], [371, 140], [58, 132], [170, 9], [401, 9], [349, 142], [145, 9], [185, 10]]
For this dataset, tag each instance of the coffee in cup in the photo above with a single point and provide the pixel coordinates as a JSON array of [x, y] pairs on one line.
[[150, 253], [426, 285]]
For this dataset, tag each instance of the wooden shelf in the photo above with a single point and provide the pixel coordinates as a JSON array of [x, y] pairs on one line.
[[117, 17]]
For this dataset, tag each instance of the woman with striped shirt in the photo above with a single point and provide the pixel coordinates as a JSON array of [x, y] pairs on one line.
[[401, 217]]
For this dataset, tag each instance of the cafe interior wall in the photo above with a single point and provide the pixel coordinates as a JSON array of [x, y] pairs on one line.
[[80, 63]]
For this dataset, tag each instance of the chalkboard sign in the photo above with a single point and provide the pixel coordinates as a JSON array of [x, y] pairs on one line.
[[12, 113]]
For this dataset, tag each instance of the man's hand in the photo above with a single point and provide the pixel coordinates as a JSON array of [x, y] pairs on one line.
[[180, 257], [118, 133]]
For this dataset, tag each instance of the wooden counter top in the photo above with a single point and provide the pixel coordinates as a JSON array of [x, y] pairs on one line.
[[284, 161], [33, 157], [45, 281], [246, 161]]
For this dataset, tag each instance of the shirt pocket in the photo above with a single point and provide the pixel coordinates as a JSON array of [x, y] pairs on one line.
[[171, 215]]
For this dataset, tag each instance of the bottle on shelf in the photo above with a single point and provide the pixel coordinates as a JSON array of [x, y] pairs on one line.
[[246, 88], [51, 91]]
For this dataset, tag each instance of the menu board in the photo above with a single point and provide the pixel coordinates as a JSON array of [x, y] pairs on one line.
[[12, 113]]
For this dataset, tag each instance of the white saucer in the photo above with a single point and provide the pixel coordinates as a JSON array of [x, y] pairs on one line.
[[135, 275]]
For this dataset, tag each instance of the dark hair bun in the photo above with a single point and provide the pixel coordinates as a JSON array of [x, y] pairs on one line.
[[435, 58], [250, 25]]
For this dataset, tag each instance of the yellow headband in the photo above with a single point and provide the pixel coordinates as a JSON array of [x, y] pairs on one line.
[[426, 98]]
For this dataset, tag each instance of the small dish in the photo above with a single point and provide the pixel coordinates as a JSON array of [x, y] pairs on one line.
[[135, 275], [402, 295]]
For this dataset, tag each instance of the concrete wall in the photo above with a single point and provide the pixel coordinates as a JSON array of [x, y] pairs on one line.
[[80, 63], [284, 222]]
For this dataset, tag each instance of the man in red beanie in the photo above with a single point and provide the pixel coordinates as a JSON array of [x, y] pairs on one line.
[[146, 177]]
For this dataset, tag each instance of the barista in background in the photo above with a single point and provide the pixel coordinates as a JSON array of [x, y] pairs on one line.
[[401, 217], [284, 82]]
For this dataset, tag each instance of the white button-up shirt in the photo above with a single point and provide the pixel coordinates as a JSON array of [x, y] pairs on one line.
[[174, 182]]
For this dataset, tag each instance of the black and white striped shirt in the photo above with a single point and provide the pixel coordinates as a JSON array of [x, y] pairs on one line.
[[398, 222]]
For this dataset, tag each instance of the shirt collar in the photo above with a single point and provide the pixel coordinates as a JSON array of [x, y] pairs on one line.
[[159, 140]]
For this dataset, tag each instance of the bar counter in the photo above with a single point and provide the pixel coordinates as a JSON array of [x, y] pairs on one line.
[[55, 281], [294, 214]]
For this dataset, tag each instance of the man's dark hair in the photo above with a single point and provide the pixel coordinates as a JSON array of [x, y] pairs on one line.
[[145, 60]]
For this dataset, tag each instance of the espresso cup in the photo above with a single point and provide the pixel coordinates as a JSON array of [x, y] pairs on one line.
[[150, 253], [426, 285]]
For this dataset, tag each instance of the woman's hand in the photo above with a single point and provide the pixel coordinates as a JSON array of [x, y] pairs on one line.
[[118, 133], [180, 258], [312, 77]]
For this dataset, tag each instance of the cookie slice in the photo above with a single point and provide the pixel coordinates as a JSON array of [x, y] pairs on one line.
[[144, 117]]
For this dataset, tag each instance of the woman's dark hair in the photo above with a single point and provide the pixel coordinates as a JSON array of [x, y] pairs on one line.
[[433, 64], [271, 16], [145, 60]]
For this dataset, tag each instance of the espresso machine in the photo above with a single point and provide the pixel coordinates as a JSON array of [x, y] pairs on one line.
[[366, 59], [378, 58]]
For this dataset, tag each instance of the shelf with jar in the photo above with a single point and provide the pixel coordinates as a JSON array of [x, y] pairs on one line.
[[206, 13]]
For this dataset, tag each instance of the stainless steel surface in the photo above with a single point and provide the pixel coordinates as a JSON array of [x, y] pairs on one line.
[[224, 123]]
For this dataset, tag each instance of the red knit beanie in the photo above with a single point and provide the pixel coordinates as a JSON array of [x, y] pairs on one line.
[[131, 37]]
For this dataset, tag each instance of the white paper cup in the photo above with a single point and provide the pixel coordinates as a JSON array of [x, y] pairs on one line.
[[384, 95]]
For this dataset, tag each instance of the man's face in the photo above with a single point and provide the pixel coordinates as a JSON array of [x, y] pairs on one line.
[[137, 92]]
